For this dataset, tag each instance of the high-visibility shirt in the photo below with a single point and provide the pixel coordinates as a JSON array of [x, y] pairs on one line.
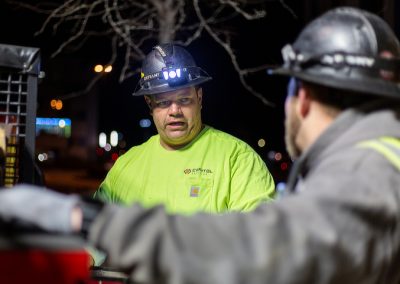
[[215, 173]]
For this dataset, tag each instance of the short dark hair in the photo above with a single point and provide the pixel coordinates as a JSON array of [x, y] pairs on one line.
[[339, 99]]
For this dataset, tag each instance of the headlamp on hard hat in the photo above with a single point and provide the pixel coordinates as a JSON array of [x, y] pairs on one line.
[[169, 67], [174, 76]]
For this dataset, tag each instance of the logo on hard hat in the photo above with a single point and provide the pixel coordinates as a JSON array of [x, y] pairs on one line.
[[151, 76]]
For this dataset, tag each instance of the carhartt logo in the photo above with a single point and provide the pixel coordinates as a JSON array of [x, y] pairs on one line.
[[197, 171], [194, 191]]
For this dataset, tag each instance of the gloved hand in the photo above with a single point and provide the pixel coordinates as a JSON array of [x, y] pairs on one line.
[[41, 207]]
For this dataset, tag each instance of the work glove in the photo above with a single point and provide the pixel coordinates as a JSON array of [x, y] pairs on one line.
[[37, 206]]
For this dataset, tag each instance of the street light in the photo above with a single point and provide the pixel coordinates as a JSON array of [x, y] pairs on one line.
[[100, 68], [56, 104]]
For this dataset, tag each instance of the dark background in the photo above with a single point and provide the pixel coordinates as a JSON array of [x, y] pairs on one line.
[[110, 105]]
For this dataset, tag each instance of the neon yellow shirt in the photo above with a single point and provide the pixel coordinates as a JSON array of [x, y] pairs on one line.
[[215, 173]]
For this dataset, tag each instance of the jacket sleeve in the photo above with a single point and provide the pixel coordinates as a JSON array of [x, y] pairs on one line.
[[347, 235]]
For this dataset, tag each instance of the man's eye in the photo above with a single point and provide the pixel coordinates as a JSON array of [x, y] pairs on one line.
[[185, 101], [163, 104]]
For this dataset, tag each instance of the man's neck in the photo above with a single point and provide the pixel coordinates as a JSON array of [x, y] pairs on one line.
[[174, 147]]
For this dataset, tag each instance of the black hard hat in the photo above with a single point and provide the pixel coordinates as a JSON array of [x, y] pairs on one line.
[[346, 48], [169, 67]]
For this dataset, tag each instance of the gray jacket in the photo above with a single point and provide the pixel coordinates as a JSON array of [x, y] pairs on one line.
[[342, 224]]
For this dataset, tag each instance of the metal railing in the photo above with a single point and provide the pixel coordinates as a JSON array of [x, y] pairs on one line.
[[19, 74]]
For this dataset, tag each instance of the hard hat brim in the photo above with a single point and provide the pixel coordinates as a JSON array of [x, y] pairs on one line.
[[167, 88], [378, 87]]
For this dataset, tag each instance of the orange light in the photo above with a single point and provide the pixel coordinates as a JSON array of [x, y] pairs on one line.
[[98, 68], [59, 105], [53, 103], [107, 68]]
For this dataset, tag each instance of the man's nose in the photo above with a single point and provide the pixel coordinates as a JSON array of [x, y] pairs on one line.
[[175, 109]]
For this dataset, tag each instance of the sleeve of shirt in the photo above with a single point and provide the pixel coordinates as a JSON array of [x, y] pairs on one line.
[[251, 182], [101, 194], [105, 191]]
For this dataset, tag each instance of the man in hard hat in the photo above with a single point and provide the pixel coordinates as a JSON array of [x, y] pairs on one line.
[[341, 220], [188, 166]]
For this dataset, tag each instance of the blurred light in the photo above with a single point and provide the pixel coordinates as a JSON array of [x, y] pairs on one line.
[[42, 157], [52, 121], [280, 190], [284, 166], [278, 156], [114, 138], [61, 123], [280, 186], [261, 143], [53, 125], [271, 155], [98, 68], [53, 103], [59, 105], [107, 147], [102, 139], [144, 123], [114, 156], [56, 104]]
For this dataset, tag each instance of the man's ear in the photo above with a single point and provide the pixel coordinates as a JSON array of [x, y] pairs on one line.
[[303, 101], [148, 102], [200, 95]]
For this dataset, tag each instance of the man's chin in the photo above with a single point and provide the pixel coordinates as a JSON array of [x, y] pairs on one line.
[[293, 151], [178, 140], [177, 135]]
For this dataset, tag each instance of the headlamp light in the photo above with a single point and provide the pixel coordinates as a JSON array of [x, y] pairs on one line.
[[174, 76]]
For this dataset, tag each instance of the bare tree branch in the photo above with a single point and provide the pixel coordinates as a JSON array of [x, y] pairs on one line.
[[133, 25]]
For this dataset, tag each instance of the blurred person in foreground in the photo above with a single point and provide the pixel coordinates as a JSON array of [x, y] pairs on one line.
[[188, 166], [339, 223]]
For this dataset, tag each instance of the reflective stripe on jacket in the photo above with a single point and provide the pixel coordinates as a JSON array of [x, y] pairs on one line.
[[389, 147]]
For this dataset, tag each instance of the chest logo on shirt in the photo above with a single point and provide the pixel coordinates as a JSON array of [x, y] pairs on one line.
[[199, 181], [197, 171]]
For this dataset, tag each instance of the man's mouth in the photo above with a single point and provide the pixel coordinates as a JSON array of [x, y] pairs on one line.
[[176, 124]]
